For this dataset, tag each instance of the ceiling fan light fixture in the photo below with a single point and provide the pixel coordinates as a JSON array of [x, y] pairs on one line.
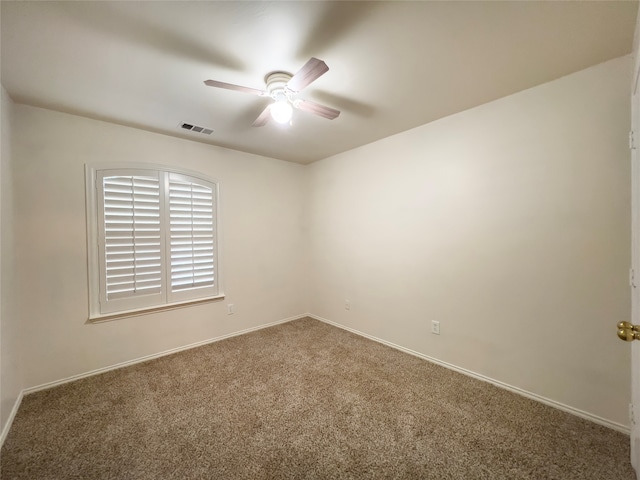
[[281, 111], [282, 88]]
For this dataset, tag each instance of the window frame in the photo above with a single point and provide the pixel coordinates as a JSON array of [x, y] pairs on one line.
[[95, 262]]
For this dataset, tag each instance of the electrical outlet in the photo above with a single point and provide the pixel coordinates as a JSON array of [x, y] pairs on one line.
[[231, 309], [435, 327], [347, 305]]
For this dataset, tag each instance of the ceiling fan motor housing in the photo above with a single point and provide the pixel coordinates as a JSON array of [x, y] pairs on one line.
[[276, 84]]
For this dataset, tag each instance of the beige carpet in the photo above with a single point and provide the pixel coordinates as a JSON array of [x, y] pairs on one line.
[[300, 400]]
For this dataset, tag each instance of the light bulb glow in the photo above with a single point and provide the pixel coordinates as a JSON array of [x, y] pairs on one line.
[[281, 111]]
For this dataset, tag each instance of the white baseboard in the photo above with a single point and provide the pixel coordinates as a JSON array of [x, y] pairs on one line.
[[12, 416], [146, 358], [547, 401]]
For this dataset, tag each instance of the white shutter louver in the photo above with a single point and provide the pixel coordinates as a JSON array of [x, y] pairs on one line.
[[192, 227], [132, 236]]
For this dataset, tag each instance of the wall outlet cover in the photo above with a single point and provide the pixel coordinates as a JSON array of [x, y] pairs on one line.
[[435, 327]]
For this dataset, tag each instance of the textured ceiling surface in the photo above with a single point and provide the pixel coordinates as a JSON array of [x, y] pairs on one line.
[[392, 65]]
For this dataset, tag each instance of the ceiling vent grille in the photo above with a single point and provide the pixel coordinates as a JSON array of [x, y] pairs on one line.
[[196, 128]]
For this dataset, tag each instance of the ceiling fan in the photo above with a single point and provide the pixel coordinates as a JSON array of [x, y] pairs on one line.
[[282, 87]]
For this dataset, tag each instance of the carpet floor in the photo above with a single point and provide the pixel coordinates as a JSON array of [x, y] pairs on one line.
[[300, 400]]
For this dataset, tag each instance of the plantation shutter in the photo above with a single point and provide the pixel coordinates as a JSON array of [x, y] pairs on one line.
[[192, 237], [156, 239], [131, 239]]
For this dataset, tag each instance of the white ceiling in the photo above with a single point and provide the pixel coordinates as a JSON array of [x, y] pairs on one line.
[[393, 65]]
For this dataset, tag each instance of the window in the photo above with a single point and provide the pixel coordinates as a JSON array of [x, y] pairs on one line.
[[153, 239]]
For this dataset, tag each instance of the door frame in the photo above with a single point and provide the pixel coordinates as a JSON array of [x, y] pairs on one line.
[[634, 283]]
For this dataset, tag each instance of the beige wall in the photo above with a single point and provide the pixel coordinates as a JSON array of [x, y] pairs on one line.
[[10, 346], [263, 246], [508, 223]]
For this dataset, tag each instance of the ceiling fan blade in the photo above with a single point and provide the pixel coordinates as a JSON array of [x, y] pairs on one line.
[[311, 71], [238, 88], [263, 118], [317, 109]]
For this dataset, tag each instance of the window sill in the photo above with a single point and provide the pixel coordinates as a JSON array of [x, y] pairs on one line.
[[105, 317]]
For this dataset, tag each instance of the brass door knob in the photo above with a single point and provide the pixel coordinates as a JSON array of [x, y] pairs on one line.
[[628, 332]]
